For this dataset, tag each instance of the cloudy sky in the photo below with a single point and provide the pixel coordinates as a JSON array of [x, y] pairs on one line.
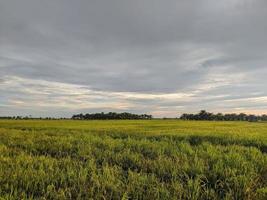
[[60, 57]]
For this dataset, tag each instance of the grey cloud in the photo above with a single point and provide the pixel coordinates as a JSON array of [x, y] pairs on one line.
[[148, 47]]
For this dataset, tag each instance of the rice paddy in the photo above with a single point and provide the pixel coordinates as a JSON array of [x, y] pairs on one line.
[[132, 159]]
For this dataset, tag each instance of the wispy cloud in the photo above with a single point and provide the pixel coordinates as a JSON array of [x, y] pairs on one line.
[[140, 56]]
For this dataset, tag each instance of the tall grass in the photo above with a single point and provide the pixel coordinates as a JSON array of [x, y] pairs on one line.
[[157, 159]]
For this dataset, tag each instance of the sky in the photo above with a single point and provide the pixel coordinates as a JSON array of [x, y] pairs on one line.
[[63, 57]]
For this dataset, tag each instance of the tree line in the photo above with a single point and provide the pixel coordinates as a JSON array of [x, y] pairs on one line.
[[110, 115], [204, 115], [31, 118]]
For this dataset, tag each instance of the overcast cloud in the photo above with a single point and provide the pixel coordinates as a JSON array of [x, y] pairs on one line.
[[60, 57]]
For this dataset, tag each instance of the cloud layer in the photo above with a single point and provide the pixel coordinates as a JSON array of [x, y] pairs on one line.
[[160, 57]]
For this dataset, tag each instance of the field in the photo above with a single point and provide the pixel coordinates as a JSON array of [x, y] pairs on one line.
[[153, 159]]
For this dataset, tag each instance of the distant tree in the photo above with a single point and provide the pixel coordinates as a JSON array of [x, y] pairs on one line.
[[204, 115], [109, 116]]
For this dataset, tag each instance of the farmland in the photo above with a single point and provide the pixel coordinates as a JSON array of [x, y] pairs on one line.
[[132, 159]]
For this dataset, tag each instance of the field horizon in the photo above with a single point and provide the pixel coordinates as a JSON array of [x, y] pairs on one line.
[[136, 100]]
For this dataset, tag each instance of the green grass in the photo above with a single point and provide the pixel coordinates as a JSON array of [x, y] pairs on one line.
[[157, 159]]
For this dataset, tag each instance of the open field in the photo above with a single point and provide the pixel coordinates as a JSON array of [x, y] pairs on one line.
[[153, 159]]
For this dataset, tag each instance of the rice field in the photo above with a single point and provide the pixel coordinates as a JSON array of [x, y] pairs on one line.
[[132, 159]]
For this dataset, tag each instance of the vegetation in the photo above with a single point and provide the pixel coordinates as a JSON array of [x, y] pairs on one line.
[[203, 115], [132, 159], [111, 115], [30, 118]]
